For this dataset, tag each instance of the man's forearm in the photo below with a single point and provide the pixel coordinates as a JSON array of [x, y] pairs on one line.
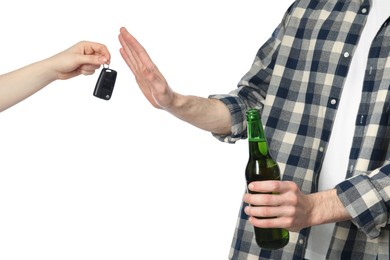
[[208, 114]]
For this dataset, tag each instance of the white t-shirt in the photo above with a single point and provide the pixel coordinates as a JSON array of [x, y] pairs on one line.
[[336, 159]]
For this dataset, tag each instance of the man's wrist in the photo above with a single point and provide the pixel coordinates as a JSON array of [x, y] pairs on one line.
[[327, 208]]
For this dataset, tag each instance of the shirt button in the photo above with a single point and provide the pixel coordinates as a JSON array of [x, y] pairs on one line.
[[321, 149], [333, 101], [346, 54], [364, 10], [300, 241]]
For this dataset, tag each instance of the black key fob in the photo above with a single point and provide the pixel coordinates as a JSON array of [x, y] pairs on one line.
[[105, 84]]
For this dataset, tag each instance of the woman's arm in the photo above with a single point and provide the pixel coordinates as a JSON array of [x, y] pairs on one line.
[[82, 58]]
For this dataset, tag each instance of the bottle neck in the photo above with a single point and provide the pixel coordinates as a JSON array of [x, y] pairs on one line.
[[258, 150], [256, 138]]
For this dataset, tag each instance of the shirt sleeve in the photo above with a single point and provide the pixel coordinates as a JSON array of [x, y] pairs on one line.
[[367, 198], [253, 86]]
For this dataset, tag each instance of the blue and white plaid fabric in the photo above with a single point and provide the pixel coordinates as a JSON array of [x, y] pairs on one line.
[[296, 81]]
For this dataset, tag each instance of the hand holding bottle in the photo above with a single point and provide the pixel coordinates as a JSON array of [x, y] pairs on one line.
[[292, 209], [281, 200]]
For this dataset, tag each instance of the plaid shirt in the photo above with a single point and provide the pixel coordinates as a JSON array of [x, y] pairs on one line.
[[296, 81]]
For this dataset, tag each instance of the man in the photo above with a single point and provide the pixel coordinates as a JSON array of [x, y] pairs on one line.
[[326, 56]]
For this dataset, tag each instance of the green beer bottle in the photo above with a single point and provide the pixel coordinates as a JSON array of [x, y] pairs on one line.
[[261, 167]]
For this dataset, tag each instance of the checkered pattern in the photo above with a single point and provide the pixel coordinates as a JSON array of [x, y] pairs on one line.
[[296, 81]]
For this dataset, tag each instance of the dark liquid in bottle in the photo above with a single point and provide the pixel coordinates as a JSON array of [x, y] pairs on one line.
[[260, 170]]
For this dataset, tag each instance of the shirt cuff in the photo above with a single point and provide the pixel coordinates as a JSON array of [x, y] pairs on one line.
[[364, 203], [237, 110]]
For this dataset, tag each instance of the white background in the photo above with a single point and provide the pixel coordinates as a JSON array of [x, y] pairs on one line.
[[85, 178]]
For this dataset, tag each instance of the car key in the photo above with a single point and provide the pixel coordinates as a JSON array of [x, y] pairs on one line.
[[105, 84]]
